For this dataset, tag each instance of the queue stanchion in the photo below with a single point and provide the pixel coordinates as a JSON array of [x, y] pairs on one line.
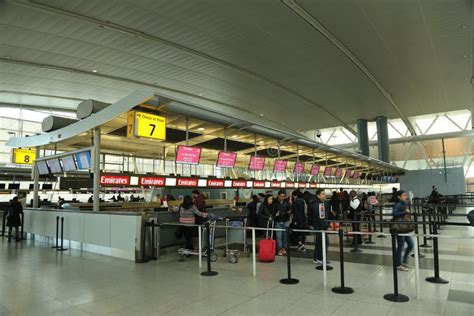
[[153, 245], [22, 237], [381, 222], [209, 271], [289, 280], [4, 221], [57, 233], [142, 258], [342, 289], [395, 296], [61, 248], [325, 267], [369, 226], [420, 255], [436, 278], [425, 240]]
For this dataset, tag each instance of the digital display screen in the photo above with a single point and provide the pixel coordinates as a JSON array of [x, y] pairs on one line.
[[279, 166], [348, 173], [226, 159], [69, 164], [356, 175], [339, 172], [315, 170], [188, 155], [256, 163], [54, 165], [42, 167], [328, 172], [83, 160], [299, 167]]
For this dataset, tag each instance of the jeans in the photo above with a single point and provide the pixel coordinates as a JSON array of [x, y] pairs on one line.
[[188, 237], [318, 246], [282, 241], [400, 243]]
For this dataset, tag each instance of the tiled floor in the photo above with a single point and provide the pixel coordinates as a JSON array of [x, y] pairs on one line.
[[36, 280]]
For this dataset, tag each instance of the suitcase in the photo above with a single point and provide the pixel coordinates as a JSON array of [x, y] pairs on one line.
[[267, 247]]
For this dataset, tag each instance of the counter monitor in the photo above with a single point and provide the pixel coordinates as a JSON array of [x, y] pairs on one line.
[[315, 170], [54, 165], [188, 155], [42, 167], [83, 160], [279, 166], [69, 164], [226, 159], [256, 163]]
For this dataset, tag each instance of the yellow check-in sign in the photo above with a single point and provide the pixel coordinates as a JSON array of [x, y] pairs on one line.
[[142, 124], [23, 156]]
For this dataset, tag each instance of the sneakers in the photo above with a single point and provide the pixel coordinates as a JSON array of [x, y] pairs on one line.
[[402, 268], [318, 262], [301, 248], [280, 252], [406, 265]]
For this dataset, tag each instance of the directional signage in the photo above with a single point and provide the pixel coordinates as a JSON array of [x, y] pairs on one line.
[[23, 156], [142, 124]]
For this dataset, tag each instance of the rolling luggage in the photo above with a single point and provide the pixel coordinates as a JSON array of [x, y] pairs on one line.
[[267, 246]]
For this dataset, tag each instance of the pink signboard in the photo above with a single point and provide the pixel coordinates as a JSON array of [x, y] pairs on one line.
[[226, 159], [280, 166], [256, 163], [328, 172], [315, 170], [348, 173], [188, 155], [299, 167], [356, 175], [339, 172]]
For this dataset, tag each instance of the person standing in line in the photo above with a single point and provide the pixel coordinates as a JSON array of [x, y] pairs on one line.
[[187, 212], [400, 210], [265, 212], [281, 215], [252, 211], [15, 209], [300, 213], [200, 202], [394, 198], [317, 208], [335, 205], [355, 210], [345, 203]]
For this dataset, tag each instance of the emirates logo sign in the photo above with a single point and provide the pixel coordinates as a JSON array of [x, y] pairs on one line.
[[259, 184], [275, 185], [114, 180], [152, 181], [239, 183], [215, 183], [187, 182]]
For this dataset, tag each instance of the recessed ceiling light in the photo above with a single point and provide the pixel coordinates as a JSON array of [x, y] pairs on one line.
[[261, 114], [234, 136], [200, 128], [94, 70], [465, 56], [260, 142], [200, 94], [463, 26]]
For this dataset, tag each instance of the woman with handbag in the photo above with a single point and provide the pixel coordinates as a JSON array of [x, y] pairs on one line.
[[401, 213]]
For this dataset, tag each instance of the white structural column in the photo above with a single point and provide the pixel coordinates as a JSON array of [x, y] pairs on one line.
[[96, 184], [36, 179]]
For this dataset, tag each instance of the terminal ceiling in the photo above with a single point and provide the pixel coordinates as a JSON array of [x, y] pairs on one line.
[[306, 64]]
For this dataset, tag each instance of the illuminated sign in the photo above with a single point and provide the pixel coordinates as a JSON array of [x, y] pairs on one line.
[[256, 163], [152, 181], [299, 167], [226, 159], [339, 172], [328, 172], [187, 182], [275, 184], [142, 124], [259, 184], [114, 180], [315, 170], [215, 183], [313, 185], [188, 155], [290, 184], [348, 173], [23, 156], [239, 183], [279, 166], [301, 185]]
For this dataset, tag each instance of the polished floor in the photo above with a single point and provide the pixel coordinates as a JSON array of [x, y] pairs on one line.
[[36, 280]]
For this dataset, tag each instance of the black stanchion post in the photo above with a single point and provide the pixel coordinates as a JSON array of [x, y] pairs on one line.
[[425, 241], [342, 289], [209, 272], [395, 296], [22, 237], [143, 258], [369, 220], [57, 234], [430, 223], [62, 236], [436, 278], [420, 255], [4, 222], [381, 222], [289, 280], [153, 240]]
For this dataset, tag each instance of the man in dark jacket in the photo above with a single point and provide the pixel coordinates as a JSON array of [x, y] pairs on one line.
[[13, 218], [281, 215], [317, 209], [300, 211], [200, 203]]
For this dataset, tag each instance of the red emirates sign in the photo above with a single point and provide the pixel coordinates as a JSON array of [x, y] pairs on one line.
[[275, 184], [187, 182], [215, 183], [313, 185], [290, 184], [114, 180], [301, 185], [152, 181], [259, 184], [239, 183]]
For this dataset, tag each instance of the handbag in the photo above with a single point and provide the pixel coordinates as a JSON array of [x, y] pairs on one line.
[[402, 228]]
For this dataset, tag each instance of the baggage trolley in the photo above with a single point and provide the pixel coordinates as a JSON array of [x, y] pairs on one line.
[[238, 236], [183, 252]]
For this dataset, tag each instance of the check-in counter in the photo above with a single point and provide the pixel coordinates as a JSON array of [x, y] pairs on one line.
[[116, 234]]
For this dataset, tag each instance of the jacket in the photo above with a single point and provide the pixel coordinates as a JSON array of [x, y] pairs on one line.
[[300, 213], [281, 211], [318, 212], [13, 214], [265, 211], [399, 209]]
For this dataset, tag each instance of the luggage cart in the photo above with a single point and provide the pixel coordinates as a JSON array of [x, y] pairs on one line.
[[183, 252], [238, 236]]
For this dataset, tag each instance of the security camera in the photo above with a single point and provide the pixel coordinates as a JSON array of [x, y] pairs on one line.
[[318, 133]]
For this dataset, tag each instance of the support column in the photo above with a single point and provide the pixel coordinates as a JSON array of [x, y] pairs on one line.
[[363, 137], [36, 179], [96, 184], [382, 139]]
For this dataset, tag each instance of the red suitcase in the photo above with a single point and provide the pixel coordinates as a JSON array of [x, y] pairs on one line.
[[267, 247]]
